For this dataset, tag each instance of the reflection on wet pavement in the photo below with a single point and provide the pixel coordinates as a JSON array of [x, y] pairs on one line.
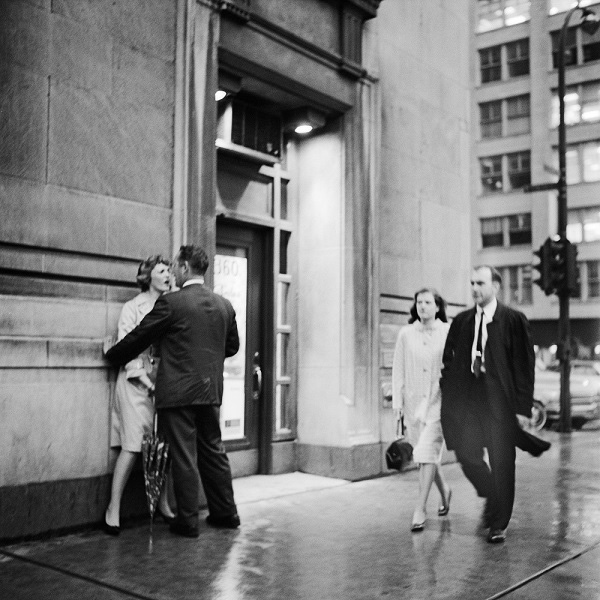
[[349, 541]]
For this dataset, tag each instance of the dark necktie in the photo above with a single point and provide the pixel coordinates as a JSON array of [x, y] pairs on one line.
[[478, 349]]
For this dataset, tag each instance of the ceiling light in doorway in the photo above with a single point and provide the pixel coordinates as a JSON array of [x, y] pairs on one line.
[[220, 94], [303, 128], [303, 120]]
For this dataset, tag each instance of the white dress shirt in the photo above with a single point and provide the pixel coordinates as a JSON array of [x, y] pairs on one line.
[[488, 314]]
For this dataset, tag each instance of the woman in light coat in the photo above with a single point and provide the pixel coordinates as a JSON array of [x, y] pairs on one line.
[[417, 397], [133, 409]]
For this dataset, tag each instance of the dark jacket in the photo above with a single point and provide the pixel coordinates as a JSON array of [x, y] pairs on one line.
[[196, 331], [509, 363]]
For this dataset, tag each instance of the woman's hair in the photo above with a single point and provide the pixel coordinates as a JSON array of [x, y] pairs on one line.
[[145, 269], [439, 302]]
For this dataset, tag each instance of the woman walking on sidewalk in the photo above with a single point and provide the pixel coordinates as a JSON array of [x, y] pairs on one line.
[[416, 394]]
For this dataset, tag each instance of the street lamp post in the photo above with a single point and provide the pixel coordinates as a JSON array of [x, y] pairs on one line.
[[590, 23]]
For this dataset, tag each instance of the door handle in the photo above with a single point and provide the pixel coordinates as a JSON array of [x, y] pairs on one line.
[[256, 377]]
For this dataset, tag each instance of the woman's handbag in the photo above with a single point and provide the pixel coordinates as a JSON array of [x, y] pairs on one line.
[[399, 452]]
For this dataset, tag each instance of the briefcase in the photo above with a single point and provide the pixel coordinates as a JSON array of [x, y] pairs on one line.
[[399, 452]]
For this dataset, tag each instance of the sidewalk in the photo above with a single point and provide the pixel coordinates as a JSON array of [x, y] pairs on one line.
[[306, 537]]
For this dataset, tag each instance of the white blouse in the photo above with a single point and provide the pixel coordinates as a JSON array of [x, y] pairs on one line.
[[416, 371]]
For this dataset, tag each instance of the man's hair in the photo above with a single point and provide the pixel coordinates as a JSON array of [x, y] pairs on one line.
[[144, 274], [195, 256], [495, 273], [439, 302]]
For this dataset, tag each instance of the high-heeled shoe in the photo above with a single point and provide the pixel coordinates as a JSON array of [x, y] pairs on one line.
[[113, 530], [444, 508], [166, 518], [418, 521]]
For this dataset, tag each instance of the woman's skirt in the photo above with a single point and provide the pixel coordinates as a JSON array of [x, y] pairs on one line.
[[429, 446]]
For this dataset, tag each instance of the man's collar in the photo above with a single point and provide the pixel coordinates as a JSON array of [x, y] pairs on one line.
[[489, 309], [193, 281]]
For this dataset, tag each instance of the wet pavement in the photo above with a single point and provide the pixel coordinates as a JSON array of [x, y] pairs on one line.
[[305, 537]]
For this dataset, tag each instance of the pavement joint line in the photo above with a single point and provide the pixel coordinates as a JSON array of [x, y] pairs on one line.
[[539, 574], [75, 575]]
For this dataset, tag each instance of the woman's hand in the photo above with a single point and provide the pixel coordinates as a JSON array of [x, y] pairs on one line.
[[107, 343]]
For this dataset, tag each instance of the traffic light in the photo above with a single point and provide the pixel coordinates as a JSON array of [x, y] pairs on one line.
[[557, 267], [543, 267], [563, 270], [572, 269]]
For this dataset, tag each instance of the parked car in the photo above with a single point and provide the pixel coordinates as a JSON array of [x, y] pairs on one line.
[[584, 387]]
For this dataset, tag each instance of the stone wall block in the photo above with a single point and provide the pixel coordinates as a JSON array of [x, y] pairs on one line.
[[23, 122], [16, 352], [137, 231], [44, 416], [75, 353], [76, 220], [24, 36], [142, 79], [80, 56], [49, 317], [109, 148], [24, 213], [148, 25], [94, 14]]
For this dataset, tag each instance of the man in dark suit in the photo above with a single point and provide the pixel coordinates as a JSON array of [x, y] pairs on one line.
[[487, 379], [196, 330]]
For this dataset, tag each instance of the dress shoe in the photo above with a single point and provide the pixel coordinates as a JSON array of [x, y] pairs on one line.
[[184, 530], [113, 530], [496, 536], [444, 509], [418, 521], [227, 522]]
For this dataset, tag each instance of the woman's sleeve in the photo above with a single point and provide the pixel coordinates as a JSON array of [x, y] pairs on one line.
[[398, 373], [127, 323]]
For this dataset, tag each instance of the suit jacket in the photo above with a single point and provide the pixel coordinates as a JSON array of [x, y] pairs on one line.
[[509, 362], [196, 331]]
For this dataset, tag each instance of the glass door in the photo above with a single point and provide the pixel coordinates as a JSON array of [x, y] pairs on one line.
[[239, 275]]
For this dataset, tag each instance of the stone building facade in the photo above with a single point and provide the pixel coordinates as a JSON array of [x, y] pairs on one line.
[[114, 147]]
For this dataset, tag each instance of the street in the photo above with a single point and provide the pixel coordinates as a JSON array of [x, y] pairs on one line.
[[306, 537]]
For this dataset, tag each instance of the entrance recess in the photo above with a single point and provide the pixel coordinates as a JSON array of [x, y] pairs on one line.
[[241, 275]]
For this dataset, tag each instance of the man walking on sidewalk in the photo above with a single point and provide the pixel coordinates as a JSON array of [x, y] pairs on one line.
[[487, 379], [197, 330]]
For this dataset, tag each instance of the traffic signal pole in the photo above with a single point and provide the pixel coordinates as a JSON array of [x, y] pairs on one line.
[[564, 325]]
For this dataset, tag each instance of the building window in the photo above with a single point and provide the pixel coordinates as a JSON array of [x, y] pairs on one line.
[[583, 225], [489, 59], [582, 104], [511, 230], [583, 162], [590, 102], [518, 115], [558, 6], [491, 119], [251, 127], [593, 278], [590, 44], [491, 232], [570, 47], [519, 169], [518, 284], [494, 14], [491, 174], [517, 57], [519, 229], [591, 161]]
